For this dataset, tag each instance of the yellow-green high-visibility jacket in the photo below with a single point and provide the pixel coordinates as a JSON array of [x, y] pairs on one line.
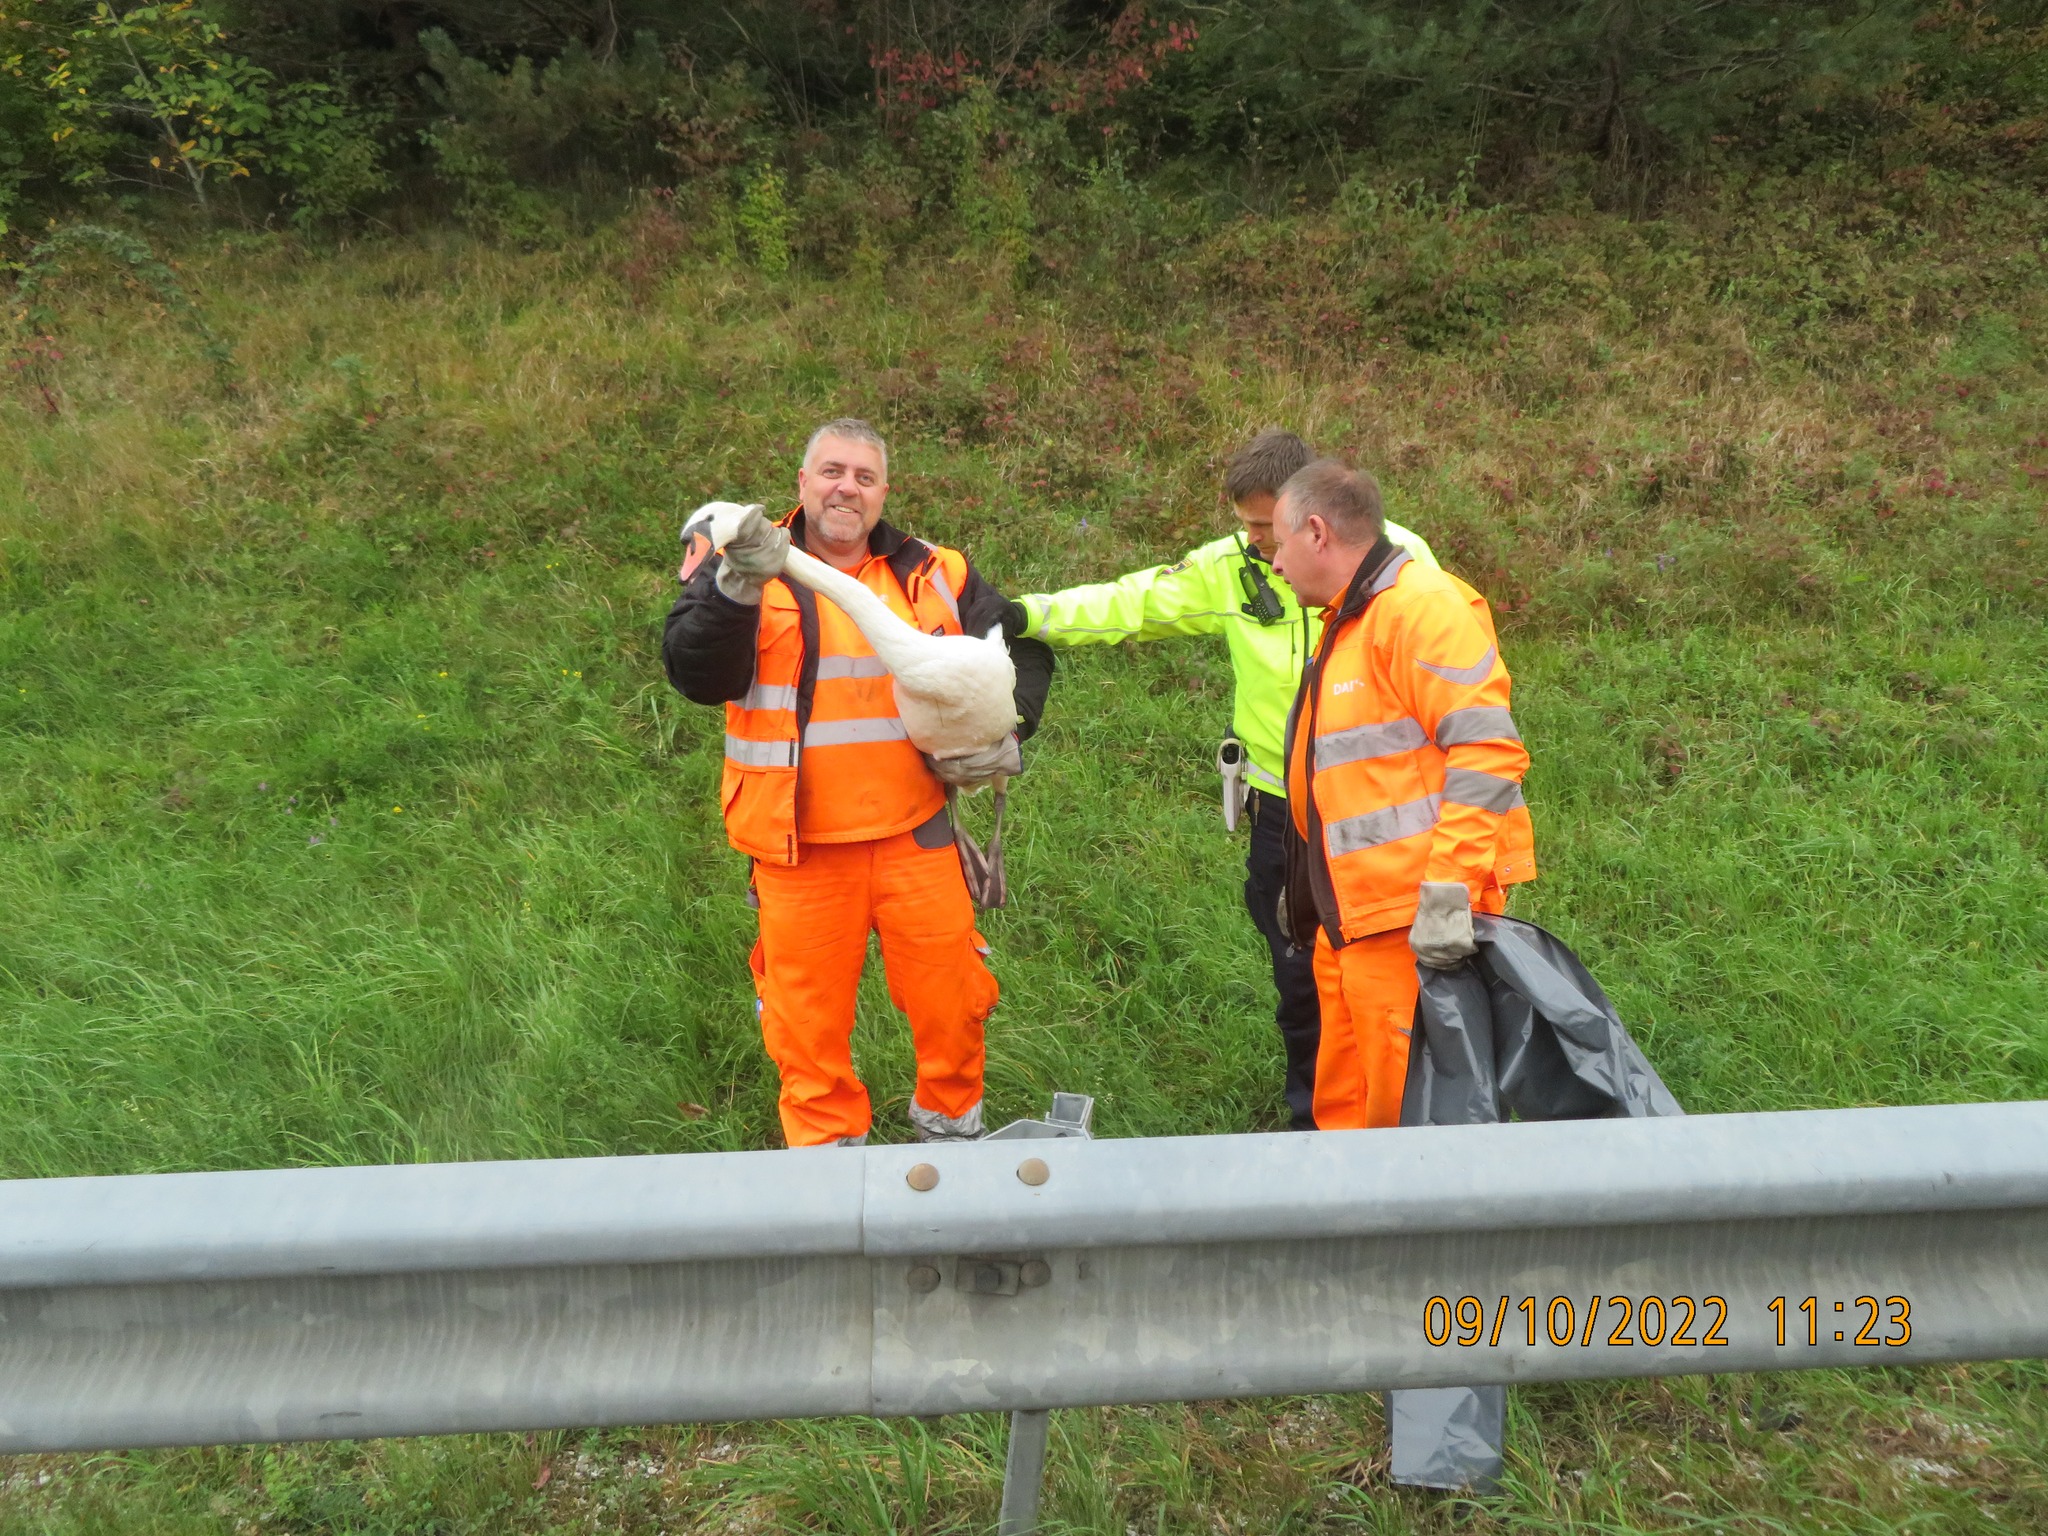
[[1203, 595]]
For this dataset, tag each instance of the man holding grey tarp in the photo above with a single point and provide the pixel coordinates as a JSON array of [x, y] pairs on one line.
[[1404, 783]]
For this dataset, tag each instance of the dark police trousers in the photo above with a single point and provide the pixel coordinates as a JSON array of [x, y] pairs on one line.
[[1298, 1014]]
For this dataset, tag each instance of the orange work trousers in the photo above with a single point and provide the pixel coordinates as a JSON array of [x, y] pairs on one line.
[[815, 919], [1367, 991]]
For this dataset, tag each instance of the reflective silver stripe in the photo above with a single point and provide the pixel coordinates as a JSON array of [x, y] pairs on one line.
[[769, 696], [1358, 742], [1387, 576], [1270, 782], [1470, 676], [1352, 833], [760, 754], [1478, 722], [945, 589], [830, 667], [1488, 791], [846, 733]]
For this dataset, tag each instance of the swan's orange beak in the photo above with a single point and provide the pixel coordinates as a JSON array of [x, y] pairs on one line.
[[695, 552]]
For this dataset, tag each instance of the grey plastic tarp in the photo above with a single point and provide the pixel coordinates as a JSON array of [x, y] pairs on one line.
[[1521, 1029]]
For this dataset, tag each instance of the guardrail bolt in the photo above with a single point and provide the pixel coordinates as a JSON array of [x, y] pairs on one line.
[[1033, 1171], [923, 1278], [1034, 1272], [923, 1176]]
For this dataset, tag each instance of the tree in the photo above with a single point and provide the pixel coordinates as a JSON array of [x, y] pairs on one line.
[[206, 108]]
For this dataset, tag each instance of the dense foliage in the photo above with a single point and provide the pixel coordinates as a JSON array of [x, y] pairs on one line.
[[356, 109]]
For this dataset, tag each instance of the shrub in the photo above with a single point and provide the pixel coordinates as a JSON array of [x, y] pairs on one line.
[[989, 158], [713, 128], [31, 129], [154, 93], [328, 152], [765, 218], [201, 109], [533, 123], [487, 198]]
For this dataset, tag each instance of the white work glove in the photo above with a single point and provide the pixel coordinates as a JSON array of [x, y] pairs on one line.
[[971, 770], [753, 556], [1442, 932]]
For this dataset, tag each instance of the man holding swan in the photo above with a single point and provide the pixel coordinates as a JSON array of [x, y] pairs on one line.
[[844, 728]]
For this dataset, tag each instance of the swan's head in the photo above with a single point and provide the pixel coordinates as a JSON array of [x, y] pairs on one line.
[[712, 526], [719, 521]]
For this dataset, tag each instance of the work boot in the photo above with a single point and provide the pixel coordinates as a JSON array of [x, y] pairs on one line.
[[930, 1125]]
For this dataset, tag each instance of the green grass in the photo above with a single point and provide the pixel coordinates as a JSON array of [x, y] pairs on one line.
[[351, 821]]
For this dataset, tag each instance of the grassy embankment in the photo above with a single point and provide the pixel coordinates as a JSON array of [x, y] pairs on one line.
[[351, 820]]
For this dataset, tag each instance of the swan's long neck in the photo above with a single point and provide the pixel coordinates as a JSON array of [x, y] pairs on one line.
[[885, 631], [873, 617]]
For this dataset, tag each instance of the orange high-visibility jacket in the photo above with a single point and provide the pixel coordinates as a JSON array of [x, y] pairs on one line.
[[816, 742], [1413, 764]]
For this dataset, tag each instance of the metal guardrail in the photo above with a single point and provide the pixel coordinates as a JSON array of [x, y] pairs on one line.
[[324, 1303]]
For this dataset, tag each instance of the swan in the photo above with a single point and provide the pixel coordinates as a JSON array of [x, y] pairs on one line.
[[956, 693]]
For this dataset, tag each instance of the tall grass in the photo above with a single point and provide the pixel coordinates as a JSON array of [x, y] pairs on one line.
[[352, 822]]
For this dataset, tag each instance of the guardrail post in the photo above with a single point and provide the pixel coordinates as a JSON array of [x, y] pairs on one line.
[[1024, 1472], [1071, 1116]]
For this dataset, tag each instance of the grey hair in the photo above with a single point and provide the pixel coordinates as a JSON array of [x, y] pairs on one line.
[[854, 430], [1346, 499]]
